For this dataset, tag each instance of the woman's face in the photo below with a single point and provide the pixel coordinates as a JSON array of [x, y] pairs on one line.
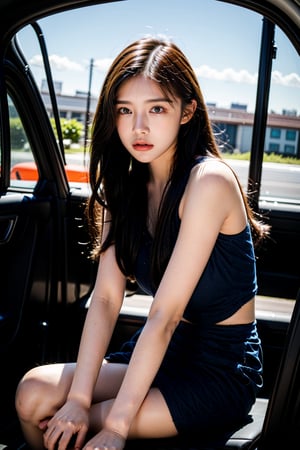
[[147, 121]]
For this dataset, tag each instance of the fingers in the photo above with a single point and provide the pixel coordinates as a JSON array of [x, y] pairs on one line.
[[106, 440], [43, 424], [69, 425], [58, 441], [59, 435], [80, 438]]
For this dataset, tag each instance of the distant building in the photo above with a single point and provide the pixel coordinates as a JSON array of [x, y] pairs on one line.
[[239, 106], [71, 106], [57, 87], [233, 126]]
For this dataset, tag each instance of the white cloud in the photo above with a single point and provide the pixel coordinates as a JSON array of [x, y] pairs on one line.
[[228, 74], [103, 64], [58, 62], [243, 76], [290, 80]]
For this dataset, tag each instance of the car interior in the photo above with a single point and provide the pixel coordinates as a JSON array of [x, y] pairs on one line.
[[47, 275]]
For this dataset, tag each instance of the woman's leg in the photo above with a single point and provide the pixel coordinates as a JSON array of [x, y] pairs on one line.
[[153, 419], [43, 390]]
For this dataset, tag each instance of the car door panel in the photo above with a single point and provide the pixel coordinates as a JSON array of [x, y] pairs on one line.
[[278, 274], [17, 250]]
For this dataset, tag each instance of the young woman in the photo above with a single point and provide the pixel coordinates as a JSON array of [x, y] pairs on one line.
[[168, 212]]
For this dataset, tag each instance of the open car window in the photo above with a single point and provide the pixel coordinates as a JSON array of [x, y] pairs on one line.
[[225, 53], [283, 125], [23, 170]]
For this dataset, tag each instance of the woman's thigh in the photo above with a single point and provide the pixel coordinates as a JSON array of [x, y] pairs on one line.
[[153, 419], [109, 381], [49, 384]]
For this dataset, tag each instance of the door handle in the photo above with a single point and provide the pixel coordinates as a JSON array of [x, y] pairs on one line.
[[7, 225]]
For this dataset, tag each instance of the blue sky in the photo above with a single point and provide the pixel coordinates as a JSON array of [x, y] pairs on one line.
[[220, 40]]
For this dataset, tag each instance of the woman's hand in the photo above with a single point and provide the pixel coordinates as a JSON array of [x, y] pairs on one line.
[[70, 420], [106, 440]]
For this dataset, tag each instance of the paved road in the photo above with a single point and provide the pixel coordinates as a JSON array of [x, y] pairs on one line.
[[278, 180]]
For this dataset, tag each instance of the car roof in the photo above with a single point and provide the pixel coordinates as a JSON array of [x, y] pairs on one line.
[[16, 13]]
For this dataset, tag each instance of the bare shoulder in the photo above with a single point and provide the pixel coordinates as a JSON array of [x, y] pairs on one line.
[[213, 187], [213, 174]]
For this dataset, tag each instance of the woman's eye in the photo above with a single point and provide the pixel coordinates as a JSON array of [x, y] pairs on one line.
[[123, 110], [157, 109]]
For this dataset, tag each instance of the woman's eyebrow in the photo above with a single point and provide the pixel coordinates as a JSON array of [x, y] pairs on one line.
[[150, 100]]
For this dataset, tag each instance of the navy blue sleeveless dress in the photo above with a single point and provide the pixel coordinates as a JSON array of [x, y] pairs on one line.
[[210, 374]]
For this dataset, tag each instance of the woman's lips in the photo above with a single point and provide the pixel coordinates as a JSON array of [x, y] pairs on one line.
[[142, 146]]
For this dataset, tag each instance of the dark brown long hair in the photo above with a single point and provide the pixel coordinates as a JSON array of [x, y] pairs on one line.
[[119, 183]]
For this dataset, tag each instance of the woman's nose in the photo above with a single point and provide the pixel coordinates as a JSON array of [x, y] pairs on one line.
[[140, 124]]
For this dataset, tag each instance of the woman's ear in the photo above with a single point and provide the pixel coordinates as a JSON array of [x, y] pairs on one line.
[[188, 112]]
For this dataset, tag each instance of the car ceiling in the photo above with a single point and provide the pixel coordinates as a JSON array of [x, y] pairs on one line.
[[16, 13]]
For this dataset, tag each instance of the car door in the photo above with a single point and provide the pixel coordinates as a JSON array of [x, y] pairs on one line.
[[44, 264]]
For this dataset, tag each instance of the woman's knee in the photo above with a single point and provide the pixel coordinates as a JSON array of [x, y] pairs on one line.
[[28, 394], [38, 393]]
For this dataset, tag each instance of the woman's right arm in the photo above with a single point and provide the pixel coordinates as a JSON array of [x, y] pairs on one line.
[[100, 321], [101, 318]]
